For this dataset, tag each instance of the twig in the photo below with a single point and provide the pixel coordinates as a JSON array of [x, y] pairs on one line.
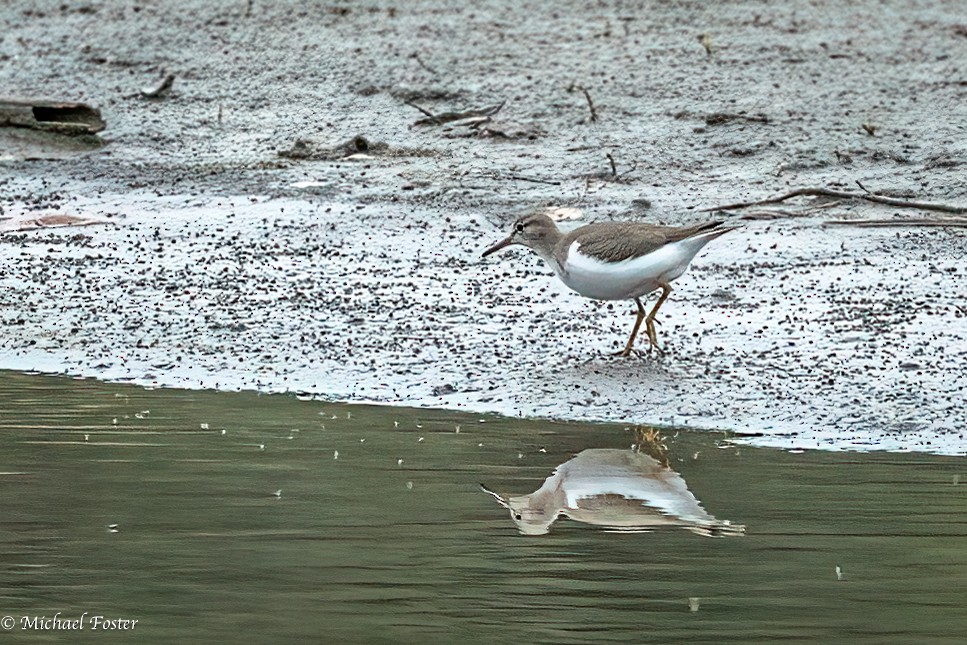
[[587, 95], [779, 213], [770, 214], [842, 194], [955, 222], [449, 117], [417, 107], [422, 64], [822, 207], [614, 170], [530, 179]]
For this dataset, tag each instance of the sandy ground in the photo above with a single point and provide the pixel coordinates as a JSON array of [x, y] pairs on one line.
[[220, 267]]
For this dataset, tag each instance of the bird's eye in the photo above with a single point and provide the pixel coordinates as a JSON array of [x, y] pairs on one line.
[[520, 227]]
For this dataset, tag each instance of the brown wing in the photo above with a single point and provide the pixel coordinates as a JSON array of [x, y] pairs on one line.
[[617, 241]]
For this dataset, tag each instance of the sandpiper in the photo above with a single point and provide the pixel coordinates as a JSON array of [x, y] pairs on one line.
[[616, 260]]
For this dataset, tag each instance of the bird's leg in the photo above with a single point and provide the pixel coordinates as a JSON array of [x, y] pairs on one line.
[[650, 320], [634, 332]]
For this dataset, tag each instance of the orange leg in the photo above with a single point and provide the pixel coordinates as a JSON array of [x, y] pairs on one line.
[[634, 332], [650, 320]]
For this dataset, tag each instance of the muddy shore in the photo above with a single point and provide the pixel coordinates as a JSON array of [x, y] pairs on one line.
[[222, 263]]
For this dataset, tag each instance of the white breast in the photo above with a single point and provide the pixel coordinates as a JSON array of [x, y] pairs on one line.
[[629, 278]]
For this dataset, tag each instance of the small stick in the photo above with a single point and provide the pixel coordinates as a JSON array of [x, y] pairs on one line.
[[587, 95], [955, 222], [423, 65], [822, 207], [767, 214], [483, 113], [426, 112], [614, 169], [530, 179], [841, 194]]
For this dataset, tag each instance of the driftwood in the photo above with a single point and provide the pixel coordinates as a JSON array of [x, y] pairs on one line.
[[64, 117], [842, 194], [781, 213], [475, 114], [955, 222]]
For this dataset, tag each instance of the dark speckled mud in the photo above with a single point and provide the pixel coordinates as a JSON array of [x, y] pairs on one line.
[[226, 265]]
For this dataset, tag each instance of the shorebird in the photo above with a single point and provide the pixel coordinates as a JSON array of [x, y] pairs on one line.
[[616, 260], [616, 489]]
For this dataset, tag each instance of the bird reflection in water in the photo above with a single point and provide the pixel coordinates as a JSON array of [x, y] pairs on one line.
[[621, 490]]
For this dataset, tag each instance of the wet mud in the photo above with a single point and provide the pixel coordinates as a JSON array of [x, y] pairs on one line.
[[355, 273]]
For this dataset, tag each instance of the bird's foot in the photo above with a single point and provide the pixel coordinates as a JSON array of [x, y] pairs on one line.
[[652, 334], [628, 351]]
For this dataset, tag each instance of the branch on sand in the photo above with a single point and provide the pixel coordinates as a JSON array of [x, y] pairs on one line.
[[954, 222], [842, 194], [475, 114]]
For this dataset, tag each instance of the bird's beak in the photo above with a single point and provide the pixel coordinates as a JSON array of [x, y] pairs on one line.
[[499, 245], [500, 500]]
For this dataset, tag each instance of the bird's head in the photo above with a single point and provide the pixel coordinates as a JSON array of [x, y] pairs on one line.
[[536, 230]]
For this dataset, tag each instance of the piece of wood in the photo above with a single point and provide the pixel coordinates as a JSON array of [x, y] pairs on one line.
[[448, 117], [587, 96], [533, 180], [842, 194], [64, 117], [954, 222], [614, 168]]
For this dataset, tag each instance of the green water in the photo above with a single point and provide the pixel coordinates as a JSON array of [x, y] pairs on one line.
[[366, 548]]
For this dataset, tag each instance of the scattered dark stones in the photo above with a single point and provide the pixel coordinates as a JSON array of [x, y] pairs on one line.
[[253, 291]]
